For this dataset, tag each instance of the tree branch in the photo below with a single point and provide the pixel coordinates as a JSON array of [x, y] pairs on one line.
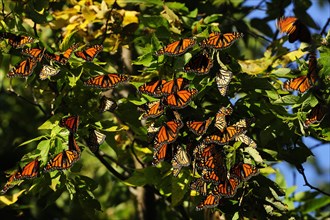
[[300, 169], [325, 26]]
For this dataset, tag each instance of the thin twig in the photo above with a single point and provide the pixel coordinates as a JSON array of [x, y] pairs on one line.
[[324, 27], [11, 91], [107, 23], [136, 157], [109, 167], [300, 169]]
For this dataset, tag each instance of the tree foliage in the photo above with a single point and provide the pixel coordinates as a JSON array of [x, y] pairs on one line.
[[118, 180]]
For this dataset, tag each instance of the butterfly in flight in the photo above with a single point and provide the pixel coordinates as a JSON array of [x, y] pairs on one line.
[[316, 115], [221, 41], [180, 99], [47, 71], [62, 58], [296, 30], [71, 123], [89, 53], [179, 160], [177, 48], [201, 63], [23, 69], [106, 81], [199, 127], [16, 41]]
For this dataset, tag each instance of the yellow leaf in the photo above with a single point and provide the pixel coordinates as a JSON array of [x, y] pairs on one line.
[[254, 67], [130, 17], [8, 200]]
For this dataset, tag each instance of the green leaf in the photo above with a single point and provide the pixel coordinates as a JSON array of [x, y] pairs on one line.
[[314, 204]]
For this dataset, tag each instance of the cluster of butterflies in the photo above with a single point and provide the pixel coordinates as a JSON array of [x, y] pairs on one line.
[[61, 161], [296, 30]]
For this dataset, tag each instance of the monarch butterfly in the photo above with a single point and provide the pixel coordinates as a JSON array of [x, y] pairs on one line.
[[168, 132], [89, 53], [47, 71], [73, 146], [199, 185], [71, 123], [304, 83], [162, 153], [173, 86], [95, 139], [223, 78], [223, 90], [244, 171], [35, 53], [223, 138], [181, 98], [244, 123], [61, 58], [215, 176], [220, 117], [227, 188], [215, 161], [153, 109], [62, 161], [203, 151], [29, 171], [16, 41], [106, 81], [221, 41], [316, 115], [152, 88], [23, 69], [210, 201], [246, 140], [179, 160], [199, 127], [107, 104], [177, 47], [9, 184], [295, 29], [200, 63]]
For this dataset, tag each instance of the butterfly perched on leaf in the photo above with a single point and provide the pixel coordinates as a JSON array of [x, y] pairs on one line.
[[65, 159], [316, 115], [211, 201], [95, 139], [16, 41], [35, 53], [71, 123], [61, 58], [152, 109], [199, 185], [200, 63], [304, 83], [168, 132], [24, 68], [215, 175], [177, 48], [223, 138], [107, 104], [47, 71], [179, 160], [220, 117], [173, 86], [223, 78], [89, 53], [220, 41], [246, 140], [106, 81], [152, 88], [228, 187], [296, 30], [199, 127], [180, 99], [244, 171], [161, 153]]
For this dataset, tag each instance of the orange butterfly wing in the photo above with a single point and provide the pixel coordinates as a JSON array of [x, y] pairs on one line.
[[73, 146], [152, 88], [173, 86], [210, 201], [181, 98], [227, 188], [221, 41], [23, 69], [31, 170], [153, 109], [71, 123], [90, 53], [18, 41], [62, 161], [244, 171], [168, 132], [199, 127], [106, 81], [294, 28], [200, 63], [301, 84], [316, 115], [177, 48]]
